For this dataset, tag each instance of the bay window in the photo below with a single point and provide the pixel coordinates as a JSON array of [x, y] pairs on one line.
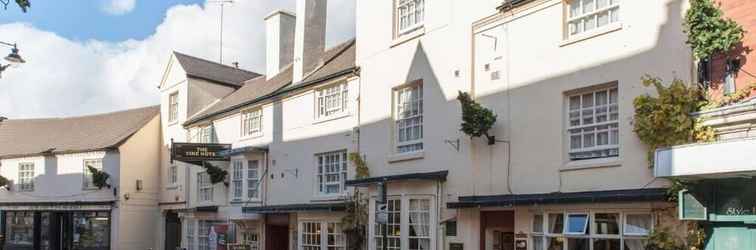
[[419, 224], [320, 235], [237, 179], [408, 110], [593, 123], [587, 15], [595, 230], [409, 225]]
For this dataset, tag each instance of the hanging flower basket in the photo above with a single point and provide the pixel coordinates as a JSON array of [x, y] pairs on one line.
[[217, 175], [99, 178], [476, 119], [4, 182]]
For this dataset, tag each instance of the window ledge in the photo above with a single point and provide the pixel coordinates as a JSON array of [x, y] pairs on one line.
[[591, 34], [592, 163], [331, 118], [252, 136], [406, 37], [406, 157], [173, 123], [325, 198]]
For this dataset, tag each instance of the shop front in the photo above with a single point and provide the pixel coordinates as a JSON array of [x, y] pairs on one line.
[[51, 229]]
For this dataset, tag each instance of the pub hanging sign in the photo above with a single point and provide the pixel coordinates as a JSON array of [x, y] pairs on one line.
[[199, 152]]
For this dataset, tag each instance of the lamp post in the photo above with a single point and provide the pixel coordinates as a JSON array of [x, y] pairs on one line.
[[14, 59]]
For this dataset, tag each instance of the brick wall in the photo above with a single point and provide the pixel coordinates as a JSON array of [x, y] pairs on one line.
[[743, 12]]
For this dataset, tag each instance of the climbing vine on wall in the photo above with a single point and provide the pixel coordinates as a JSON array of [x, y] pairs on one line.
[[476, 119], [709, 32], [354, 223], [362, 169], [665, 119], [739, 95]]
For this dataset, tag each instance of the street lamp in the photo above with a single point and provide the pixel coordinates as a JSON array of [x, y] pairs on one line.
[[14, 59]]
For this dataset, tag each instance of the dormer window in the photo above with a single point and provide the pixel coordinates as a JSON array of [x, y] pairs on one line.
[[410, 16]]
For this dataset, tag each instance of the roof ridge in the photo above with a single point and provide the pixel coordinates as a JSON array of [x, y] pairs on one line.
[[83, 116], [216, 63]]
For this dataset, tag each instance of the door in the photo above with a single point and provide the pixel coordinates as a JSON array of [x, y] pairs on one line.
[[172, 231], [731, 236], [277, 237], [502, 240]]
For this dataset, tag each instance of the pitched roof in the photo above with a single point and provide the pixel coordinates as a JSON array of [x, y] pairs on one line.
[[333, 61], [27, 137], [212, 71]]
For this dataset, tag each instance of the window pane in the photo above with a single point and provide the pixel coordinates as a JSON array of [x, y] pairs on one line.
[[637, 224], [574, 8], [556, 223], [606, 244], [577, 223], [538, 243], [603, 18], [555, 243], [538, 223], [607, 224], [600, 4], [635, 244], [578, 244]]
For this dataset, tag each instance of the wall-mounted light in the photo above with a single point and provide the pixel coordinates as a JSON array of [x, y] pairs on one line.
[[13, 58]]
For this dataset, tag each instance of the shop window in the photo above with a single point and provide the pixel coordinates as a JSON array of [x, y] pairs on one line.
[[313, 236], [20, 229], [606, 223], [591, 231], [419, 224], [393, 227], [451, 228], [577, 224], [251, 239], [91, 230]]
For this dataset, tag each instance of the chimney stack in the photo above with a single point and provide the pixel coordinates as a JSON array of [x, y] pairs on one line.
[[279, 36], [309, 43]]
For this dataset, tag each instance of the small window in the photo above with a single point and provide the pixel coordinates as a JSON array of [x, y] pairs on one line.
[[237, 179], [731, 70], [410, 15], [577, 224], [451, 228], [205, 187], [332, 101], [87, 175], [538, 223], [588, 15], [173, 174], [206, 134], [556, 223], [26, 177], [408, 109], [173, 107], [638, 224], [419, 224], [251, 122]]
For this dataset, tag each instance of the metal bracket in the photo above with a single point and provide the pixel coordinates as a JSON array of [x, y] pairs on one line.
[[453, 143]]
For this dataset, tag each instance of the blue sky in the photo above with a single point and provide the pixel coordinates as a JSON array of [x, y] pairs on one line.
[[84, 20], [98, 56]]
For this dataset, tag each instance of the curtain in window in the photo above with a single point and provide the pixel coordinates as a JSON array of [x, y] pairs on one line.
[[638, 224], [420, 221]]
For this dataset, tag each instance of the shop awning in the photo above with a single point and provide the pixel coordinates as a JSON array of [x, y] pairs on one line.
[[733, 158], [57, 206], [291, 208], [432, 176], [631, 195]]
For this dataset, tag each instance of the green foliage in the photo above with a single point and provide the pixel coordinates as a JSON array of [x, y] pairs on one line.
[[664, 239], [733, 98], [709, 32], [99, 178], [362, 169], [665, 120], [217, 175], [674, 189], [476, 120], [4, 181], [23, 4], [354, 223]]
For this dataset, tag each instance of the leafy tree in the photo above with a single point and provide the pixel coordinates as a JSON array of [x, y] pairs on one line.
[[665, 120], [709, 32], [476, 120], [23, 4]]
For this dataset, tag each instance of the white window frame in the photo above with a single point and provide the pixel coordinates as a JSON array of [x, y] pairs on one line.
[[611, 10], [173, 174], [332, 101], [190, 234], [324, 169], [173, 107], [592, 236], [251, 122], [26, 177], [251, 238], [409, 16], [582, 113], [206, 134], [204, 187], [566, 227], [203, 240], [86, 177], [253, 180], [404, 226], [237, 180], [404, 115], [409, 222]]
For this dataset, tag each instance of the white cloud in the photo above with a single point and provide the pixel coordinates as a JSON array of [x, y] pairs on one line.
[[118, 7], [65, 77]]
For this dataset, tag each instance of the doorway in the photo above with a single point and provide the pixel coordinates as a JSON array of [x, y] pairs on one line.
[[497, 230], [277, 231], [172, 231]]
